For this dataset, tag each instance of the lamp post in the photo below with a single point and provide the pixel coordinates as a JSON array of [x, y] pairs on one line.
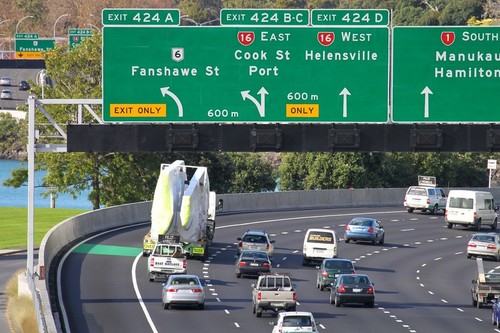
[[93, 26], [17, 25], [63, 15], [4, 21]]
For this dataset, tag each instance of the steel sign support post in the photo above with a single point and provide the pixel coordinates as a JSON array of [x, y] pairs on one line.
[[31, 184]]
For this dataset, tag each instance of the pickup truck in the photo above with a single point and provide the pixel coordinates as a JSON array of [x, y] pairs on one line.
[[486, 287], [166, 259], [273, 292]]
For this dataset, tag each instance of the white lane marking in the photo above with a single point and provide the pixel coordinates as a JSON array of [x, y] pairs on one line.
[[478, 319], [138, 295], [226, 311], [444, 301], [405, 230], [460, 310], [237, 325]]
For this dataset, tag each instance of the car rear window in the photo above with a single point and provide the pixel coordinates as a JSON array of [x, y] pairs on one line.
[[338, 264], [320, 237], [417, 191], [254, 239], [296, 321], [465, 203]]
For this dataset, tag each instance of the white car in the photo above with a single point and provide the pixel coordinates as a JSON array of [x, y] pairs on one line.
[[183, 289], [5, 81], [294, 321], [425, 199], [484, 245], [6, 94]]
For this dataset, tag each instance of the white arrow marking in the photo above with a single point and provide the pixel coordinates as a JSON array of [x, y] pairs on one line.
[[261, 107], [166, 91], [427, 92], [345, 92]]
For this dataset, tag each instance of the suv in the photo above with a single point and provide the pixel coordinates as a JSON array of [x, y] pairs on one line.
[[425, 199], [257, 240]]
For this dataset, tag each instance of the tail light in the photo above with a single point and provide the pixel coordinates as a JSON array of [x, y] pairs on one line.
[[370, 230], [324, 273], [445, 213], [341, 289], [475, 216], [151, 261], [347, 228], [184, 263], [240, 244], [197, 290], [171, 290], [471, 245], [242, 264], [491, 247], [266, 265], [405, 199], [353, 272], [267, 246], [428, 201], [294, 296], [259, 296], [370, 290]]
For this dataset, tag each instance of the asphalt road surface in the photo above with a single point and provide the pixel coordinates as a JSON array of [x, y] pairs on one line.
[[421, 274], [19, 97]]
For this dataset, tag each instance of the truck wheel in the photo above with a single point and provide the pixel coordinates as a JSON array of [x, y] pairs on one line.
[[449, 225], [305, 262], [151, 277], [258, 312], [253, 308], [478, 225], [409, 210], [479, 305], [434, 209], [474, 302], [494, 225]]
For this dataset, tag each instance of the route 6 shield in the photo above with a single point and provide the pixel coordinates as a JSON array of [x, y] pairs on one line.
[[447, 38], [177, 54], [326, 38]]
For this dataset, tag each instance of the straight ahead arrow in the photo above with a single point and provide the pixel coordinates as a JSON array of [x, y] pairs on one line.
[[426, 92]]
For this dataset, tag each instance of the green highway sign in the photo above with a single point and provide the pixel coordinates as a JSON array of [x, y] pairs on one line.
[[350, 17], [249, 74], [141, 17], [76, 36], [26, 36], [28, 48], [446, 74], [264, 17]]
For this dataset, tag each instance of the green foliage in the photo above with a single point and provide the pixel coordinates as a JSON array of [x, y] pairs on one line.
[[251, 173], [457, 12], [291, 4], [13, 135], [36, 8], [201, 11], [248, 3]]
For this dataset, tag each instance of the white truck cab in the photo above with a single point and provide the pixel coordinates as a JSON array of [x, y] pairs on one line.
[[425, 197]]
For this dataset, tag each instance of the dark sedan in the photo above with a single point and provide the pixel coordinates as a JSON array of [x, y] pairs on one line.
[[353, 288], [330, 269], [24, 85], [365, 229], [252, 263]]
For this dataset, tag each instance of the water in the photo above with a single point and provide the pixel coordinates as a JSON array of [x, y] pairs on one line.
[[18, 197]]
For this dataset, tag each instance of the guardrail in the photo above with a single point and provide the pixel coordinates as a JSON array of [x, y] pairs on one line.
[[61, 236]]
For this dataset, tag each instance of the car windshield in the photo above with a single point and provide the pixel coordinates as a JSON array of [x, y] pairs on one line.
[[296, 321]]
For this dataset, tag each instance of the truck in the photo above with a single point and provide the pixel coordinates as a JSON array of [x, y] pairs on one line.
[[183, 211], [485, 287], [166, 259], [275, 292]]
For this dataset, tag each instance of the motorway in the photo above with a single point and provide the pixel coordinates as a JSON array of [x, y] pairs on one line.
[[421, 274], [19, 97]]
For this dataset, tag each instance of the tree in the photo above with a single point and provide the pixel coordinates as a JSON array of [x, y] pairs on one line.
[[457, 12], [13, 136], [251, 173]]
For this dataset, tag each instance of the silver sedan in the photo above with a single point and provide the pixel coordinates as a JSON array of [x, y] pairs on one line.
[[183, 289]]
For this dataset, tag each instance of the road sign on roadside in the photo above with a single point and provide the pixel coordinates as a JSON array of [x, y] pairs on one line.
[[245, 74], [446, 74], [265, 17], [30, 46], [350, 17], [76, 36]]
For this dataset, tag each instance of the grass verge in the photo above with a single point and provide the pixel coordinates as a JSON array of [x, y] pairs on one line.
[[14, 226], [20, 310]]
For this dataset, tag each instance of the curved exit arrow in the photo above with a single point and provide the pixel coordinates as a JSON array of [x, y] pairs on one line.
[[166, 91], [261, 107], [426, 92]]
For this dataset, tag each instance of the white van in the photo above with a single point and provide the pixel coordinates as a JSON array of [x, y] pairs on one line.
[[319, 244], [470, 208]]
